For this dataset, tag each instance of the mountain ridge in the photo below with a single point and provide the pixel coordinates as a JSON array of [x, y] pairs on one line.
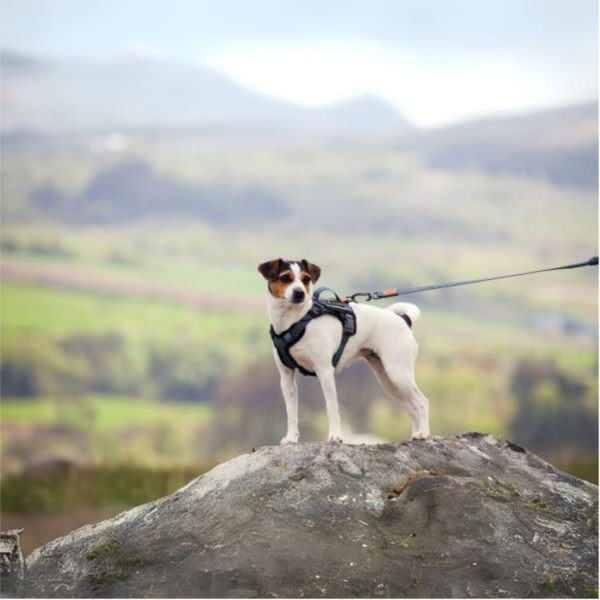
[[71, 94]]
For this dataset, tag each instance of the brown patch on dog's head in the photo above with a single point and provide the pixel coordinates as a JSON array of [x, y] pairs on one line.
[[284, 279], [278, 287], [279, 274]]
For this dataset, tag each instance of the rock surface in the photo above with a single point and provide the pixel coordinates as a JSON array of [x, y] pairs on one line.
[[467, 516]]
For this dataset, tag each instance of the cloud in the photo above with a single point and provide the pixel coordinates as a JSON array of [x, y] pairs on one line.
[[428, 92]]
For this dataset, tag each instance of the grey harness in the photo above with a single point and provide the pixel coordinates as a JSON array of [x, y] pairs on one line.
[[337, 308], [284, 341]]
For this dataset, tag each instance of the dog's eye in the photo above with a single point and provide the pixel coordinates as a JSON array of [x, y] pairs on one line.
[[285, 279], [306, 280]]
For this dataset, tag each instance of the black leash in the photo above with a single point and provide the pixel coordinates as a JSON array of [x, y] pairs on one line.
[[391, 292]]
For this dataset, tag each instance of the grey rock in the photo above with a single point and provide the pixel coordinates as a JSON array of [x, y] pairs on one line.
[[12, 566], [466, 516]]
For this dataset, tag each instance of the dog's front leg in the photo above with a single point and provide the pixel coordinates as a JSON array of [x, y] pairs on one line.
[[289, 388], [327, 381]]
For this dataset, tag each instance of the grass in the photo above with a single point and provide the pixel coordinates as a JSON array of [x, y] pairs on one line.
[[60, 312], [118, 486], [102, 431], [108, 412]]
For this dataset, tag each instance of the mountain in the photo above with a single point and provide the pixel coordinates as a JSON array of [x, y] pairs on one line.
[[123, 93], [133, 94], [367, 112], [560, 145]]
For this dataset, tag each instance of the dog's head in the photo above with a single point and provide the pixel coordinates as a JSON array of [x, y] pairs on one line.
[[290, 280]]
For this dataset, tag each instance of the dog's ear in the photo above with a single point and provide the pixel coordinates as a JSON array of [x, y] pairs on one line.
[[270, 269], [313, 270]]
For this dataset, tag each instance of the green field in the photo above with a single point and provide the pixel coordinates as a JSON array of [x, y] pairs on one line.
[[107, 413], [57, 313], [101, 431]]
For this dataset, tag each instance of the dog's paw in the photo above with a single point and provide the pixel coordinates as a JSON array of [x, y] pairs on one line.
[[286, 441], [420, 435], [335, 439]]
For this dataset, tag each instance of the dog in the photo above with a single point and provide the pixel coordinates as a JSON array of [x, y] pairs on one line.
[[383, 338]]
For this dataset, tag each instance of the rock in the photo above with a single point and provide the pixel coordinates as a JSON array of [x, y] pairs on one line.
[[466, 516], [12, 566]]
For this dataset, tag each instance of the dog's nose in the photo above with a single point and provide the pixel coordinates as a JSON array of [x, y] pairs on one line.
[[298, 296]]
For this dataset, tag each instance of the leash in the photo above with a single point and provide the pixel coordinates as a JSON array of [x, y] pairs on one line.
[[392, 292]]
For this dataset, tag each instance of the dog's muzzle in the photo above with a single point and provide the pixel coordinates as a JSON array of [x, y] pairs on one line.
[[298, 296]]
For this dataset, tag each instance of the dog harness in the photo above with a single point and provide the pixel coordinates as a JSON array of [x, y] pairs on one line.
[[337, 308]]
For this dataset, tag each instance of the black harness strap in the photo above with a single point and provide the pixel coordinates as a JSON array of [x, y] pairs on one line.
[[284, 341]]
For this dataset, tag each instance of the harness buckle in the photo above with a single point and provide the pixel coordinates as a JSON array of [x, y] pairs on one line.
[[368, 296]]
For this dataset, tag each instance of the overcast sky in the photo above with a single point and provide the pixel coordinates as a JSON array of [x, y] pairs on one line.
[[438, 61]]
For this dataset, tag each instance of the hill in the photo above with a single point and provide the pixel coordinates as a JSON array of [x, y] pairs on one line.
[[173, 99], [560, 145], [52, 95], [471, 515]]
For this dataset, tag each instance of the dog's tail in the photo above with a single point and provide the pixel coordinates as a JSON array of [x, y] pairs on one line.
[[404, 308]]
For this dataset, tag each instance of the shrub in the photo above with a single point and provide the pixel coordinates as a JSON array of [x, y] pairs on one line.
[[32, 365]]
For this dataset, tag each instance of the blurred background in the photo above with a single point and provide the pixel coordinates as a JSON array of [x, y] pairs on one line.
[[154, 153]]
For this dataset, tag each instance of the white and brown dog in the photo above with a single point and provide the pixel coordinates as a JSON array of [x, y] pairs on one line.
[[382, 338]]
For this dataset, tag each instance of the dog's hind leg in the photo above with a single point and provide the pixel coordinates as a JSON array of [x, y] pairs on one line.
[[384, 381], [327, 381], [399, 384], [418, 399]]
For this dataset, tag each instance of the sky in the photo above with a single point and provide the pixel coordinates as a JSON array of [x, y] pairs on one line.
[[437, 61]]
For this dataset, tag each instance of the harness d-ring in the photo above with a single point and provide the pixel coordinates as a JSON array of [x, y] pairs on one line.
[[317, 293]]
